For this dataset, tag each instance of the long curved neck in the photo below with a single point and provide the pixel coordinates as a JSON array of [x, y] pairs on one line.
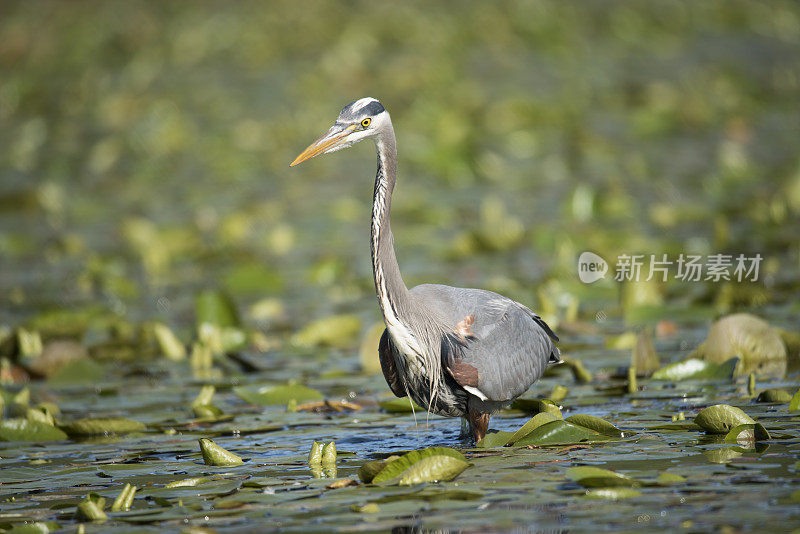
[[392, 292]]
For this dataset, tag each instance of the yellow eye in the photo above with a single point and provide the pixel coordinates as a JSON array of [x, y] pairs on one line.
[[366, 122]]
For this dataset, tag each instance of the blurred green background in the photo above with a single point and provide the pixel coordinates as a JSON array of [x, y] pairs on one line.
[[144, 153]]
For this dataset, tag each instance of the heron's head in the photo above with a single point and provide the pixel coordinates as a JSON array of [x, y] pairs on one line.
[[358, 120]]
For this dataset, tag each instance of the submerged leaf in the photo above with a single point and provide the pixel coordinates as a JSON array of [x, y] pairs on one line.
[[213, 454], [426, 465], [99, 426], [596, 477], [269, 395], [696, 369], [721, 418], [26, 430], [595, 423]]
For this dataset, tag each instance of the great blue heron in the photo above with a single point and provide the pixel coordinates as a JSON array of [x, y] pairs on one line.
[[459, 352]]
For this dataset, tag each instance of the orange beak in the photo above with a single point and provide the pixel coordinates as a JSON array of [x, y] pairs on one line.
[[332, 137]]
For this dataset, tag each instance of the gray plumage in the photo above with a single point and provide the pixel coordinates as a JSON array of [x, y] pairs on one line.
[[455, 351]]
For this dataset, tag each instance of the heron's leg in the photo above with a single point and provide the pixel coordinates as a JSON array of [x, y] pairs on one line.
[[478, 424], [464, 432]]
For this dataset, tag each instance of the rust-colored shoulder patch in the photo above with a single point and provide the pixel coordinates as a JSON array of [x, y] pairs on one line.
[[464, 328]]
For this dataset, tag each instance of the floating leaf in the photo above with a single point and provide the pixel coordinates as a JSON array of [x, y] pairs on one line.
[[595, 423], [721, 418], [25, 430], [213, 454], [667, 479], [747, 434], [794, 404], [400, 405], [780, 396], [535, 422], [188, 482], [696, 369], [748, 337], [270, 395], [426, 465], [338, 331], [560, 433], [201, 405], [534, 406], [78, 372], [369, 508], [99, 426], [612, 493], [495, 439], [596, 477], [38, 527], [91, 508], [124, 500], [368, 470]]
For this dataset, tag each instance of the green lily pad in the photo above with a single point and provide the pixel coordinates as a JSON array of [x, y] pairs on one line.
[[721, 418], [213, 454], [596, 477], [270, 395], [38, 527], [780, 396], [597, 424], [25, 430], [426, 465], [534, 406], [188, 482], [495, 439], [667, 479], [99, 426], [535, 422], [748, 337], [560, 432], [747, 434], [697, 369], [368, 470], [794, 404], [400, 405]]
